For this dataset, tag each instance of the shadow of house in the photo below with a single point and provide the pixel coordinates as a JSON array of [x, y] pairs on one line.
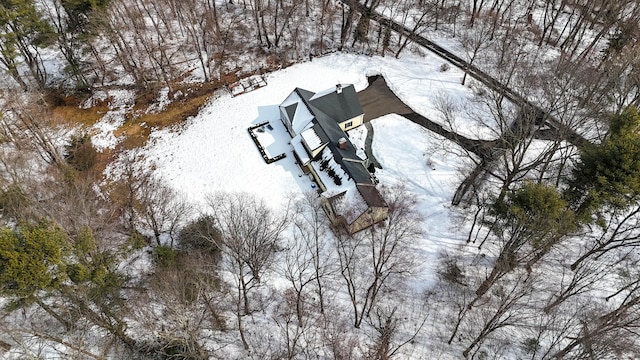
[[317, 123]]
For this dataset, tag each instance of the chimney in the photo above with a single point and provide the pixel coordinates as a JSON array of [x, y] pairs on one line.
[[339, 89], [342, 143]]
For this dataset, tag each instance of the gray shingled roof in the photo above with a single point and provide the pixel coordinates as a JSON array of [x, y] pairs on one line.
[[371, 195], [340, 107], [305, 94], [329, 110], [321, 133], [291, 110]]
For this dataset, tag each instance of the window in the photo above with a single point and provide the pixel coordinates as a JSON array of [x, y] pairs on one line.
[[348, 124]]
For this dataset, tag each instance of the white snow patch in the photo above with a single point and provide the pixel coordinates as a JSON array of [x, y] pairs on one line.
[[311, 138], [120, 103]]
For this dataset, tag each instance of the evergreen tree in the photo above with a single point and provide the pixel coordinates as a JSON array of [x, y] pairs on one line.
[[608, 174], [32, 259], [23, 32], [537, 213], [80, 152], [39, 262]]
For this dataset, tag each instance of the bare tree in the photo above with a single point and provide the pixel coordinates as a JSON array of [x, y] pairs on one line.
[[308, 257], [474, 41], [504, 309], [581, 280], [27, 122], [294, 325], [340, 342], [250, 235], [420, 20], [162, 210], [372, 258], [187, 298], [130, 181], [621, 230], [605, 332], [397, 326]]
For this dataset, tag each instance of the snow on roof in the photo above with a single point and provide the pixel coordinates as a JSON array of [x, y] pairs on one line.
[[324, 165], [350, 204], [300, 151], [302, 116], [311, 138], [323, 93], [345, 197]]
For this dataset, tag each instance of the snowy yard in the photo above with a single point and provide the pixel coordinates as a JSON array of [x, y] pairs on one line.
[[185, 228], [214, 152]]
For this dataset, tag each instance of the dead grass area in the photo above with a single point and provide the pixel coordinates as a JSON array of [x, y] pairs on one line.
[[136, 130], [186, 101], [173, 114], [76, 115], [66, 110], [103, 159]]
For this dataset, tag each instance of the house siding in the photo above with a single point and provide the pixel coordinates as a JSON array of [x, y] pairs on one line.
[[318, 151], [355, 122], [368, 218], [286, 122], [316, 178]]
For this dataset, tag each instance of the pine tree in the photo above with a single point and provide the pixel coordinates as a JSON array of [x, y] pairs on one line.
[[23, 32], [32, 259], [608, 174]]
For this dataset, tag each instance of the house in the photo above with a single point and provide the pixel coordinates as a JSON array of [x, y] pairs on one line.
[[317, 123]]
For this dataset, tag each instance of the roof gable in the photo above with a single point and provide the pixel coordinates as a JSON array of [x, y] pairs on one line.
[[339, 106], [297, 111], [291, 110]]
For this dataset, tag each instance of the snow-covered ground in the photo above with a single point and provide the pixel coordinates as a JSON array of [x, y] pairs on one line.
[[120, 103], [214, 151], [423, 165]]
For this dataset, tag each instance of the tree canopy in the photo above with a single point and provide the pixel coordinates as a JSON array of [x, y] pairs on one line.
[[32, 258], [608, 174]]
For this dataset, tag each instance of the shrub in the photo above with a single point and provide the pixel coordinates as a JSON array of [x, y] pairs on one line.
[[78, 273], [445, 67], [135, 241], [164, 256], [530, 345], [200, 234], [451, 272], [480, 90], [80, 152], [13, 202]]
